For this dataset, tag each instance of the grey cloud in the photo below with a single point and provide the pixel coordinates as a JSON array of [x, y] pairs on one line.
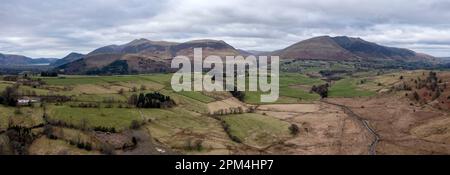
[[55, 28]]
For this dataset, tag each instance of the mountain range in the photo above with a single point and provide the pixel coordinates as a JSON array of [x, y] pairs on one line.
[[347, 48], [146, 56], [8, 60], [142, 56]]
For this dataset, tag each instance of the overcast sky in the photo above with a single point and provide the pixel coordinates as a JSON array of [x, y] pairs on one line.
[[53, 28]]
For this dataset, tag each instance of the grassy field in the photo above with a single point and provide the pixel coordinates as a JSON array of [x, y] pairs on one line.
[[294, 87], [348, 88], [309, 66], [177, 127], [77, 80], [289, 83], [24, 116], [186, 102], [45, 146], [99, 97], [197, 96], [4, 118], [257, 130], [287, 79], [161, 82], [119, 118], [73, 80], [168, 122], [4, 84]]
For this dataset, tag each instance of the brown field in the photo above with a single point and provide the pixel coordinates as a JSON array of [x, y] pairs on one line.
[[325, 129], [45, 146], [403, 129], [227, 106]]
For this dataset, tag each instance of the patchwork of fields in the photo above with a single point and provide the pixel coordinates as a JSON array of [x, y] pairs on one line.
[[187, 128]]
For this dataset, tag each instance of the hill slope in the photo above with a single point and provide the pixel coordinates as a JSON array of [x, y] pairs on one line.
[[347, 48], [67, 59], [142, 56], [8, 59]]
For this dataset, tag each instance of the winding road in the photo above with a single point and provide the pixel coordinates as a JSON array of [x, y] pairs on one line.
[[348, 111]]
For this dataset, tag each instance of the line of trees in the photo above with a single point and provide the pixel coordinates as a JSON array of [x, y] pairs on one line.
[[151, 100], [49, 74]]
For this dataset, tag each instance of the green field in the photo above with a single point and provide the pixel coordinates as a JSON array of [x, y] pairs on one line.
[[348, 88], [4, 117], [24, 116], [309, 66], [119, 118], [288, 81], [197, 96], [168, 122], [257, 130], [4, 84], [176, 127], [99, 97], [296, 78], [294, 87], [77, 80]]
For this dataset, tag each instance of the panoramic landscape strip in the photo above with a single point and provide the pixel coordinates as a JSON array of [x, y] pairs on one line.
[[191, 77]]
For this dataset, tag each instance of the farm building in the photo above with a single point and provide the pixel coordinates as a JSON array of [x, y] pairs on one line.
[[24, 101]]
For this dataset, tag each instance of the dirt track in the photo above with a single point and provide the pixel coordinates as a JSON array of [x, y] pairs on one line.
[[403, 128], [376, 137]]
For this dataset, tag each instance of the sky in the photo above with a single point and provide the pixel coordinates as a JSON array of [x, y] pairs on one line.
[[54, 28]]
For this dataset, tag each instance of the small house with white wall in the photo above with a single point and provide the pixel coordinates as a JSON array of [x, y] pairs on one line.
[[24, 101]]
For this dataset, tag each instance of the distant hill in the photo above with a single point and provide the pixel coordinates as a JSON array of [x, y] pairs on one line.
[[67, 59], [444, 60], [15, 60], [142, 56], [347, 48], [146, 56]]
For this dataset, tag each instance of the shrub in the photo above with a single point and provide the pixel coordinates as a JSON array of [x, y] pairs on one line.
[[238, 94], [236, 139], [134, 89], [198, 145], [107, 149], [48, 131], [20, 138], [121, 91], [84, 145], [135, 124], [294, 129], [9, 95], [105, 129], [416, 96]]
